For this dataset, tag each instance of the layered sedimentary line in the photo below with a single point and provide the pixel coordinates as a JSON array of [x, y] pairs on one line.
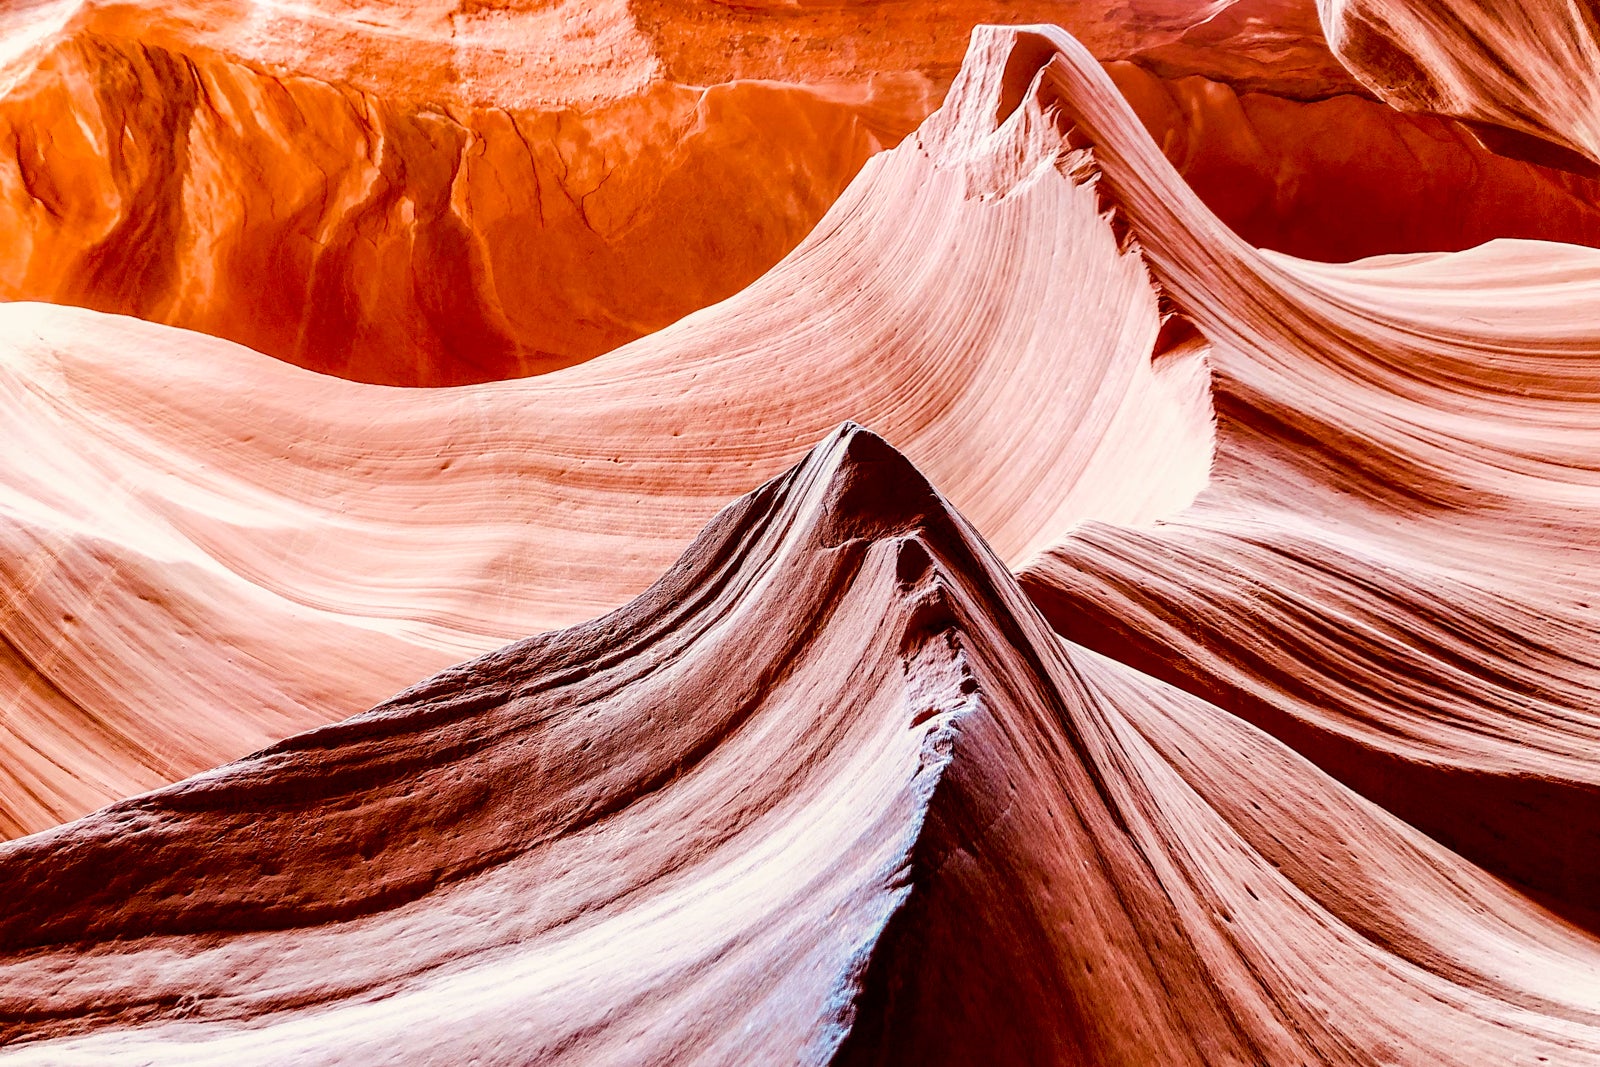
[[830, 791], [1526, 74], [206, 549], [1392, 566], [435, 194], [675, 830]]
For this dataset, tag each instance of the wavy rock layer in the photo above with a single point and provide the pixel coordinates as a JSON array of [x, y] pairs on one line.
[[437, 194], [1391, 569], [830, 791], [209, 549], [1525, 73], [1305, 773], [701, 805]]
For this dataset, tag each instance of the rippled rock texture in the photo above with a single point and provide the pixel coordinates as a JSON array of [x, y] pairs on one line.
[[1193, 664], [439, 194]]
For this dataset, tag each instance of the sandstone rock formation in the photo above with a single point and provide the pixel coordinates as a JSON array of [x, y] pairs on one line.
[[1525, 74], [1196, 670], [1342, 177], [438, 194], [829, 791], [210, 549], [1408, 445], [398, 240]]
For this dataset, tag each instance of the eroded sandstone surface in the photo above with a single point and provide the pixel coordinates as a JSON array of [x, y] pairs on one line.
[[438, 194], [1193, 662]]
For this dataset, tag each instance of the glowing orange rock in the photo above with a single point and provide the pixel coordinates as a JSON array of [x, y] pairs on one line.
[[433, 194], [1306, 772], [395, 241], [1345, 177]]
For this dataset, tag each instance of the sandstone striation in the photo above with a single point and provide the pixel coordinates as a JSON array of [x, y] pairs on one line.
[[1390, 568], [1523, 74], [438, 194], [829, 791], [1197, 670], [209, 549]]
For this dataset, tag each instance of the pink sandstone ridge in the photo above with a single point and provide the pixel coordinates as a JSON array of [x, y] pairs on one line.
[[436, 194], [453, 610]]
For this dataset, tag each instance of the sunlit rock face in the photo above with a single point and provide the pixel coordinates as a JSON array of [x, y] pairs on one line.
[[439, 194], [1191, 664]]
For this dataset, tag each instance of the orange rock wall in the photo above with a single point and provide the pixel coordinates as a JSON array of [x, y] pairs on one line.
[[1347, 177], [400, 243]]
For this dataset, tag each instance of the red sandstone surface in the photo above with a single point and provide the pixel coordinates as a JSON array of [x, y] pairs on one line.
[[1194, 662]]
